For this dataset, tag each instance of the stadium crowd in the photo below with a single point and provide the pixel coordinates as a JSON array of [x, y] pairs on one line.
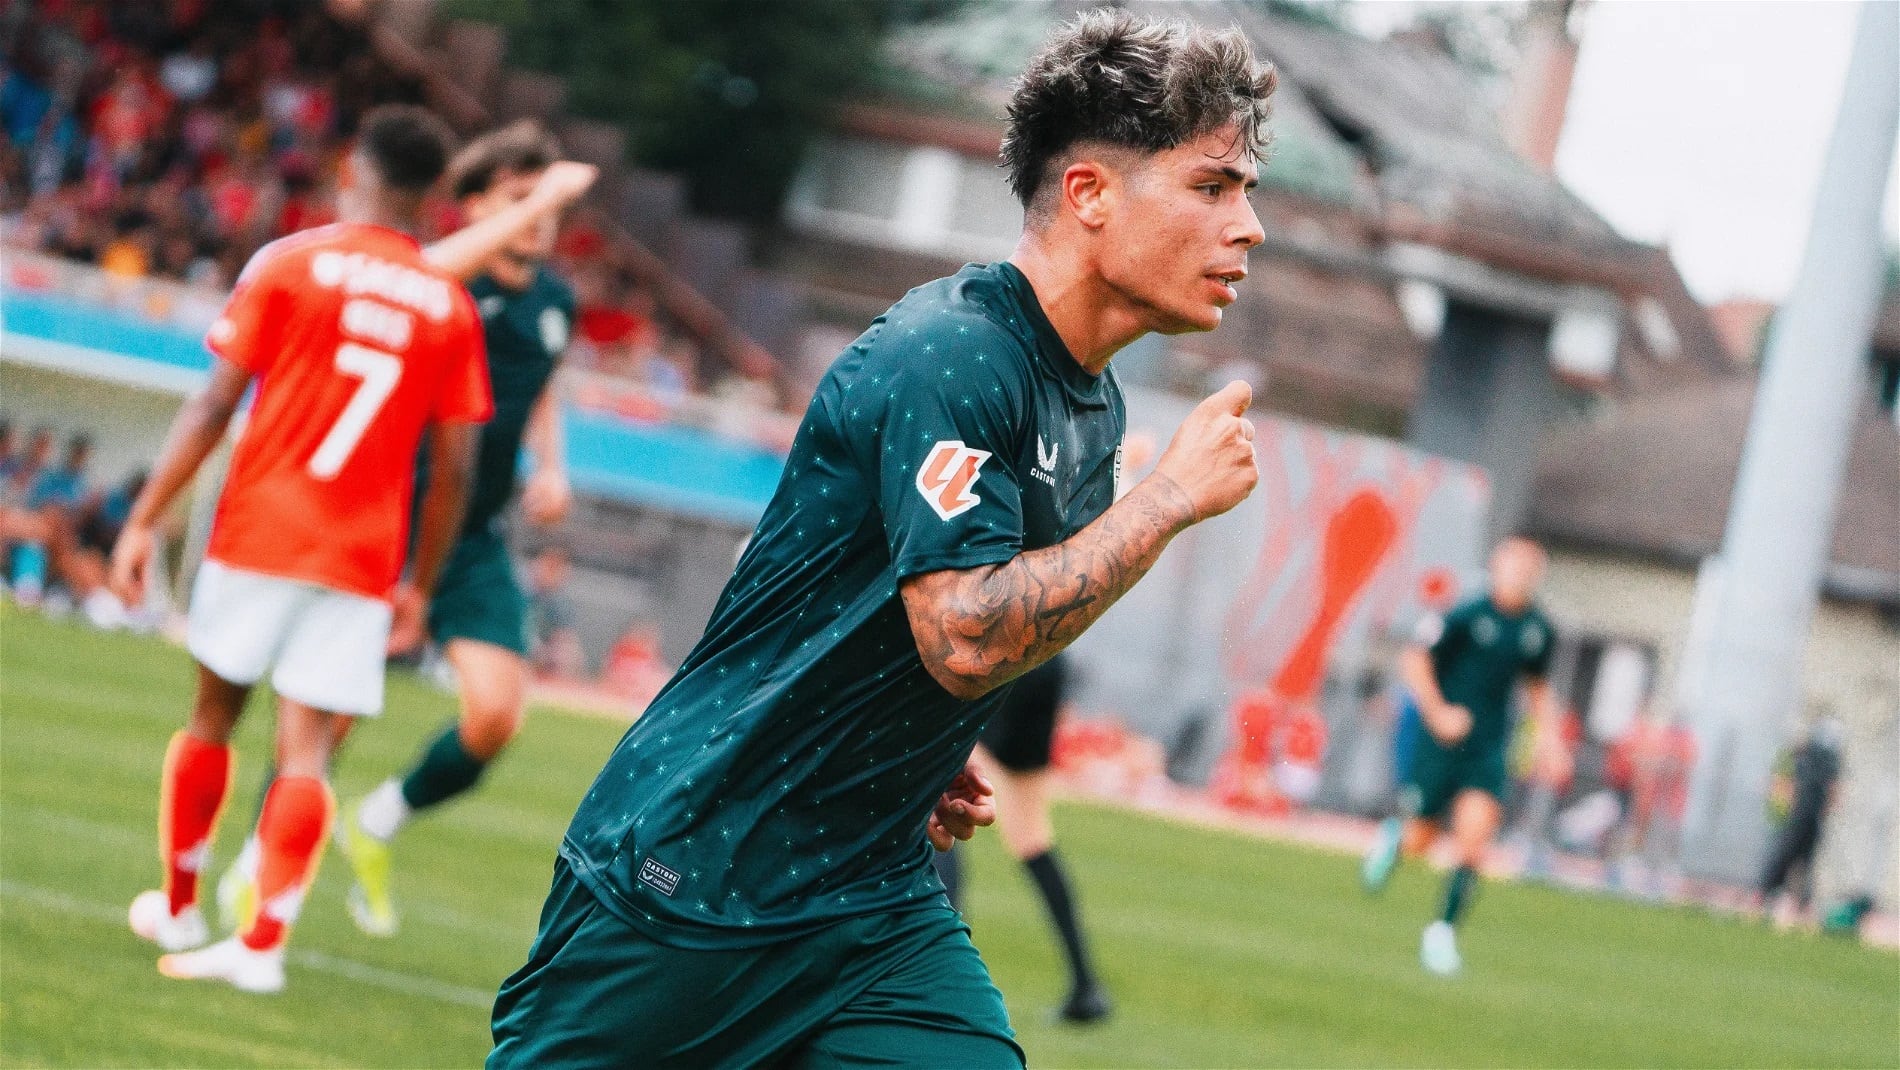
[[172, 139]]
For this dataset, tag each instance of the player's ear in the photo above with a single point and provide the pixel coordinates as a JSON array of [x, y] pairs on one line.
[[1088, 192]]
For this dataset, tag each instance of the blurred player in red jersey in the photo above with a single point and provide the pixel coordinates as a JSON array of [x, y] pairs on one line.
[[356, 344]]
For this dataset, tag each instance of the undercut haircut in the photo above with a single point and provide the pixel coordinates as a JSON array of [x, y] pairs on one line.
[[523, 147], [1114, 78], [407, 145]]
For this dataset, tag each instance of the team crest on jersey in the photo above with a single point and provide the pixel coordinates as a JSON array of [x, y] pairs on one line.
[[1485, 631], [553, 330], [947, 478], [1532, 640]]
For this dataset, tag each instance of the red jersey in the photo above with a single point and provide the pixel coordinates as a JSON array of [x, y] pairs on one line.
[[358, 344]]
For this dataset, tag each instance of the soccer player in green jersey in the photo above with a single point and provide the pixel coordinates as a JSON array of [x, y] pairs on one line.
[[747, 882], [512, 186], [1461, 671], [479, 615]]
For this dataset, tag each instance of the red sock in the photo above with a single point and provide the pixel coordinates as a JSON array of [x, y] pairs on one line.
[[191, 793], [291, 832]]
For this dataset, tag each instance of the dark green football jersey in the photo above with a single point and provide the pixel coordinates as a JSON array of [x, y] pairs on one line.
[[526, 331], [783, 778], [1478, 654]]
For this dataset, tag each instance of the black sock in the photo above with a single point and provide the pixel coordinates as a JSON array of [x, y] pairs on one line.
[[1458, 890], [444, 770], [1047, 873], [950, 871]]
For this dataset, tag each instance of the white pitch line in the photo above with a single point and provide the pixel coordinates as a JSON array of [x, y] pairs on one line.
[[405, 983]]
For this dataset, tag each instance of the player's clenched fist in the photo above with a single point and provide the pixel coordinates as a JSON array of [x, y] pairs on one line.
[[1211, 457]]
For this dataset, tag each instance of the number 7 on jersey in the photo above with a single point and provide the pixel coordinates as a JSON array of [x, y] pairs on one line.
[[379, 373]]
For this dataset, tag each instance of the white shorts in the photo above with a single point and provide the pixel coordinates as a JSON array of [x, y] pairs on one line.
[[327, 645]]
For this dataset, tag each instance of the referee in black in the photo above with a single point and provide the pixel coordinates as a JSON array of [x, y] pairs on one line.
[[1014, 754]]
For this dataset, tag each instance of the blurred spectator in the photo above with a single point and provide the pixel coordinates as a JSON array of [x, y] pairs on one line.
[[63, 487], [191, 73], [1648, 766], [55, 501], [673, 368], [129, 255], [9, 449], [1801, 793], [634, 670], [23, 527], [555, 644], [24, 467], [83, 566], [126, 116], [615, 322]]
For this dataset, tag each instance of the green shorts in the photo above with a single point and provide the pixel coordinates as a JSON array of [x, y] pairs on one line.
[[902, 989], [1438, 773], [477, 596]]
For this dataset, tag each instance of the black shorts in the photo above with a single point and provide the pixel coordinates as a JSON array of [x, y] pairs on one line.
[[1021, 731]]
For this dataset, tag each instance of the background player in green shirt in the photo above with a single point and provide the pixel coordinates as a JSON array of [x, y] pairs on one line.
[[478, 615], [1462, 671], [747, 882]]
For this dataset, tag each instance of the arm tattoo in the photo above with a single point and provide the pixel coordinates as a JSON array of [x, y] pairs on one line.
[[980, 628]]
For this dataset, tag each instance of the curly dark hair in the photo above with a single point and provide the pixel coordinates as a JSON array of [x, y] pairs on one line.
[[522, 147], [1116, 78], [408, 145]]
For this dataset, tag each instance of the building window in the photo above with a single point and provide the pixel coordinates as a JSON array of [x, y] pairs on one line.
[[919, 197], [857, 177], [1607, 683]]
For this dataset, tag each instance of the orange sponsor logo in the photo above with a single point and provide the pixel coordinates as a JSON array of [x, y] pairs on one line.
[[947, 475]]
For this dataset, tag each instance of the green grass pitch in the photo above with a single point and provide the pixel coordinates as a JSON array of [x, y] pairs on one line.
[[1221, 950]]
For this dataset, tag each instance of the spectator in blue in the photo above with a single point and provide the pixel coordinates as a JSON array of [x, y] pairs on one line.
[[83, 570], [32, 124], [22, 525], [24, 102], [23, 466], [53, 504], [64, 487], [9, 459]]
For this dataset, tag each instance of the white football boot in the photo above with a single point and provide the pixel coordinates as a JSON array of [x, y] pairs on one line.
[[151, 918], [1439, 950], [229, 960]]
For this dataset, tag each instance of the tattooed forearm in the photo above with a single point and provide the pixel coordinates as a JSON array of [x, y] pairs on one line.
[[980, 628]]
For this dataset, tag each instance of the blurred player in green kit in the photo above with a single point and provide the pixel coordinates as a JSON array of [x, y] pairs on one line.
[[479, 614], [1462, 670]]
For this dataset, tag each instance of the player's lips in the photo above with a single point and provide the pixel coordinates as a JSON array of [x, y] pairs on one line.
[[1224, 281]]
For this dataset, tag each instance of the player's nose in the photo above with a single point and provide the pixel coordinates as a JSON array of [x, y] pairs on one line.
[[1246, 231]]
